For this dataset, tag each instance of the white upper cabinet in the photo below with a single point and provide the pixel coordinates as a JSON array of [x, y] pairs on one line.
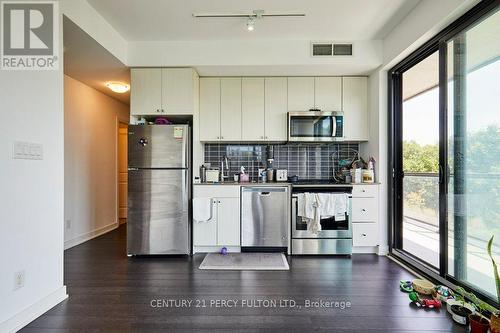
[[178, 90], [328, 93], [355, 107], [230, 109], [300, 93], [163, 91], [276, 107], [145, 94], [252, 109], [209, 109]]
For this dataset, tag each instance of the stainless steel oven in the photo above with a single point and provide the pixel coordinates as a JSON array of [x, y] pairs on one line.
[[335, 237], [315, 126]]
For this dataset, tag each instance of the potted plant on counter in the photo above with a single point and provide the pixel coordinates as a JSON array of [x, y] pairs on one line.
[[495, 317]]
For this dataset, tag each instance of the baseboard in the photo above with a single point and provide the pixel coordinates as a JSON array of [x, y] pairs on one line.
[[364, 249], [34, 311], [383, 250], [89, 235], [215, 249]]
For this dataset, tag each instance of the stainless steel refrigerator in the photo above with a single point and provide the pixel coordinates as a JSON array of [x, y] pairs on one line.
[[159, 189]]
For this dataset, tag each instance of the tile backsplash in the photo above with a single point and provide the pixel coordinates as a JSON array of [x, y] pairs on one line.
[[307, 160]]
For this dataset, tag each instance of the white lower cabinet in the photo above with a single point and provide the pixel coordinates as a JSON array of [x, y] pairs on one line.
[[365, 234], [365, 226], [223, 229]]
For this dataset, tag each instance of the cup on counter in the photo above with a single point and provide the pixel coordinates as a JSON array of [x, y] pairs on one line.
[[236, 177]]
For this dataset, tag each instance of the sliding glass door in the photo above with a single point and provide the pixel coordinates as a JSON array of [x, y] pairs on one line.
[[420, 154], [445, 147], [473, 146]]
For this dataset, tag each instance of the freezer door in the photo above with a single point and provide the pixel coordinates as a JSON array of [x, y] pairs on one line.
[[158, 212], [158, 146]]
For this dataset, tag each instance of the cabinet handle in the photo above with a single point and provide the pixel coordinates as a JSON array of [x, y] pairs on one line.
[[222, 137], [363, 191], [363, 210], [364, 235], [266, 137], [217, 137], [157, 110], [162, 111], [262, 137]]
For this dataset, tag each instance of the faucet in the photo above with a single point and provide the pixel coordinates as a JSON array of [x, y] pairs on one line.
[[224, 168]]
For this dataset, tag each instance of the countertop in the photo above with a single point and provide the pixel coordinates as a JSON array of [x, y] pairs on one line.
[[285, 184]]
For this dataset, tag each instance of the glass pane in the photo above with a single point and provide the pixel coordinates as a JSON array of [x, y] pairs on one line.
[[474, 151], [311, 126], [421, 160]]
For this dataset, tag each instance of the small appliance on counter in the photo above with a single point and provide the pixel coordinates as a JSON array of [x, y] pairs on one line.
[[212, 175], [281, 175]]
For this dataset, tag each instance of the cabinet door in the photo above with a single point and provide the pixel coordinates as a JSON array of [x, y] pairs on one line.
[[230, 109], [300, 93], [228, 222], [177, 91], [355, 105], [328, 93], [252, 109], [365, 234], [276, 107], [209, 109], [205, 233], [145, 96]]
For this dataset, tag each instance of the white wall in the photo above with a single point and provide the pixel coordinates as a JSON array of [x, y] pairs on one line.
[[264, 57], [90, 161], [31, 195]]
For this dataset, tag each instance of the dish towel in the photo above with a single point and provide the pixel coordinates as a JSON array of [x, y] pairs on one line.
[[308, 210], [202, 209], [333, 204]]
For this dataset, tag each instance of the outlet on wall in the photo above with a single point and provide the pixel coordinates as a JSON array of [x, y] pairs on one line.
[[19, 278], [67, 224]]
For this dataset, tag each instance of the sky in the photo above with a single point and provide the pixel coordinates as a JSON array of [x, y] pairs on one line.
[[421, 113]]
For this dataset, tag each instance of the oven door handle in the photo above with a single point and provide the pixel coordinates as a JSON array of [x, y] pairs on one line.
[[334, 126], [294, 212]]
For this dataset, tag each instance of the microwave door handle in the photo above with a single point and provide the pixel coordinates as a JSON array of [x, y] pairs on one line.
[[334, 126]]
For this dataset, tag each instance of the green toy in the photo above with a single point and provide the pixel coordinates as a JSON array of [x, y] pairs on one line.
[[406, 286]]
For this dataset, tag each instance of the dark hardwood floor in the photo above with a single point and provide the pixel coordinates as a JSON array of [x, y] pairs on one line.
[[109, 292]]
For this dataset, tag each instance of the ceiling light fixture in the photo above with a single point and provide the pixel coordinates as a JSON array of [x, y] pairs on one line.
[[251, 24], [252, 17], [118, 87]]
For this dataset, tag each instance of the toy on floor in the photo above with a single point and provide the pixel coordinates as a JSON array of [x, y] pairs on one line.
[[424, 303], [406, 286], [223, 251], [442, 293]]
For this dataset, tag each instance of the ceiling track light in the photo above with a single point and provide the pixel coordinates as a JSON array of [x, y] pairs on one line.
[[251, 17]]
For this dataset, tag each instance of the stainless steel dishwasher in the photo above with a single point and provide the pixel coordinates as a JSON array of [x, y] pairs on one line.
[[265, 216]]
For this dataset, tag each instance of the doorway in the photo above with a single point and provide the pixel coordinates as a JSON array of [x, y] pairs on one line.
[[445, 152], [122, 171]]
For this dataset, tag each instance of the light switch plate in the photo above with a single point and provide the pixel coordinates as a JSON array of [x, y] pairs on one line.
[[27, 151]]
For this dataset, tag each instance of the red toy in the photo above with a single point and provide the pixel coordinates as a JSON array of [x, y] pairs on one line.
[[431, 303]]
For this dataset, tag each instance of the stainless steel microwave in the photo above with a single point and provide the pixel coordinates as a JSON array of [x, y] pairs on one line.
[[315, 126]]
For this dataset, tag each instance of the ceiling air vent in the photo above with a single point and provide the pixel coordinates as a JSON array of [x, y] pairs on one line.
[[342, 49], [329, 49]]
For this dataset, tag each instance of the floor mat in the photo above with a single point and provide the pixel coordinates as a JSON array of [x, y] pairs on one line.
[[245, 261]]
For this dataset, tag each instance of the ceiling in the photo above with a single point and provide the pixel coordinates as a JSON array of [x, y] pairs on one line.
[[87, 61], [338, 20]]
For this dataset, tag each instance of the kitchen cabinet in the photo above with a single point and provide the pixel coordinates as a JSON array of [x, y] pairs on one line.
[[228, 221], [162, 91], [223, 229], [230, 109], [355, 107], [276, 108], [300, 93], [209, 109], [253, 109], [364, 215], [220, 109], [328, 93], [145, 94]]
